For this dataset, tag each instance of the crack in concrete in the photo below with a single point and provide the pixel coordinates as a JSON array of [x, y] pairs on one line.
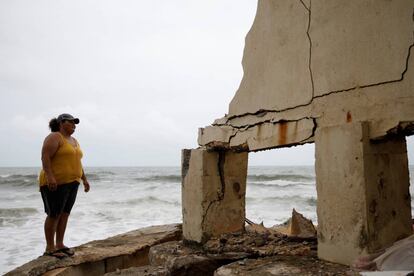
[[186, 156], [206, 212], [378, 83], [315, 126], [245, 128], [232, 136], [221, 192], [310, 45], [265, 111], [301, 142], [221, 161]]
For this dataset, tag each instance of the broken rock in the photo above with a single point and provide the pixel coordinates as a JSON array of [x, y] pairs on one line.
[[298, 226]]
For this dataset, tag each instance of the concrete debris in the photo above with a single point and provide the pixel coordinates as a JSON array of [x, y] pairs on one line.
[[284, 265], [159, 251], [297, 226]]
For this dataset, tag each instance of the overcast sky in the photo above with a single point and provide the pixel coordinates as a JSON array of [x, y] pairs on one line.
[[142, 76]]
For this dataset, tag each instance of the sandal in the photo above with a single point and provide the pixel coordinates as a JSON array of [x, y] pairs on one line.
[[67, 251], [56, 254]]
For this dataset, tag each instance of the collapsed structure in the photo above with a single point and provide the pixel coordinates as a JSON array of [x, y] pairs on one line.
[[336, 73]]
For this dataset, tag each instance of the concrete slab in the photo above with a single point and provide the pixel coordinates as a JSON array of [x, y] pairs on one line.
[[101, 256]]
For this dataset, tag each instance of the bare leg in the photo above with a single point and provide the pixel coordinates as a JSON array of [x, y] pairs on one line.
[[50, 230], [60, 230]]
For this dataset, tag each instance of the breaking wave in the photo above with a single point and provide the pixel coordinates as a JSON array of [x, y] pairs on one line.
[[19, 179], [147, 200], [279, 185], [16, 212], [287, 177], [250, 178], [160, 178], [311, 201]]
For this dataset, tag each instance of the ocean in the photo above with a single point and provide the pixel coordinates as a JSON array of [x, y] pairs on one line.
[[126, 198]]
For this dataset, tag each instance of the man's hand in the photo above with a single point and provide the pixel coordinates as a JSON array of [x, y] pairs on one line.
[[86, 185]]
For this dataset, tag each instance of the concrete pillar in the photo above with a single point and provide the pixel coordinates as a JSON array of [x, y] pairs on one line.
[[363, 192], [213, 193]]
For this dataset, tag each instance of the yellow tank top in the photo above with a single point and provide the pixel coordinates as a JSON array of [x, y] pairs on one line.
[[66, 164]]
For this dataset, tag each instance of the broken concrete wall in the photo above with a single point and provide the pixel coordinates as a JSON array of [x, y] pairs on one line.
[[310, 64], [387, 192], [327, 71], [213, 193], [363, 192]]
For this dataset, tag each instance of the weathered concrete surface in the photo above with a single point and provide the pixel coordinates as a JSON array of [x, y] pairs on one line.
[[166, 257], [271, 252], [297, 226], [141, 271], [316, 71], [358, 58], [178, 259], [213, 190], [99, 257], [252, 250], [260, 244], [283, 265], [359, 43], [363, 192], [387, 191], [276, 53]]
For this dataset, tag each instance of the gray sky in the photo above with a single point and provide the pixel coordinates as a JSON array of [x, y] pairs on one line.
[[142, 76]]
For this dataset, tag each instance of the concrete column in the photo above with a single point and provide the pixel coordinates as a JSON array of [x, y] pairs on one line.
[[213, 193], [363, 192]]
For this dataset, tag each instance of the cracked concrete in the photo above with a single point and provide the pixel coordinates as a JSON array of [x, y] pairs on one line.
[[378, 94], [220, 164], [278, 34], [369, 49], [214, 182], [273, 134], [405, 50], [371, 61], [338, 74], [309, 9]]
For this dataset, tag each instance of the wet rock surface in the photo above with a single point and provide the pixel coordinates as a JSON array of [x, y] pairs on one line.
[[261, 244], [142, 271], [159, 251], [97, 257], [284, 265], [179, 259], [257, 251], [273, 253]]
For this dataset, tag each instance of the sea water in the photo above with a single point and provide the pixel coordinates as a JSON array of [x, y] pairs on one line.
[[126, 198]]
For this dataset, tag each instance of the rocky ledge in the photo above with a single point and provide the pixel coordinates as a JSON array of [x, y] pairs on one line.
[[160, 251], [102, 256]]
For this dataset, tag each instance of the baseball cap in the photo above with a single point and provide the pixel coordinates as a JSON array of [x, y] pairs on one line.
[[67, 117]]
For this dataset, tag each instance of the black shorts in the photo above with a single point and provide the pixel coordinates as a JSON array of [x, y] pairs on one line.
[[61, 200]]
